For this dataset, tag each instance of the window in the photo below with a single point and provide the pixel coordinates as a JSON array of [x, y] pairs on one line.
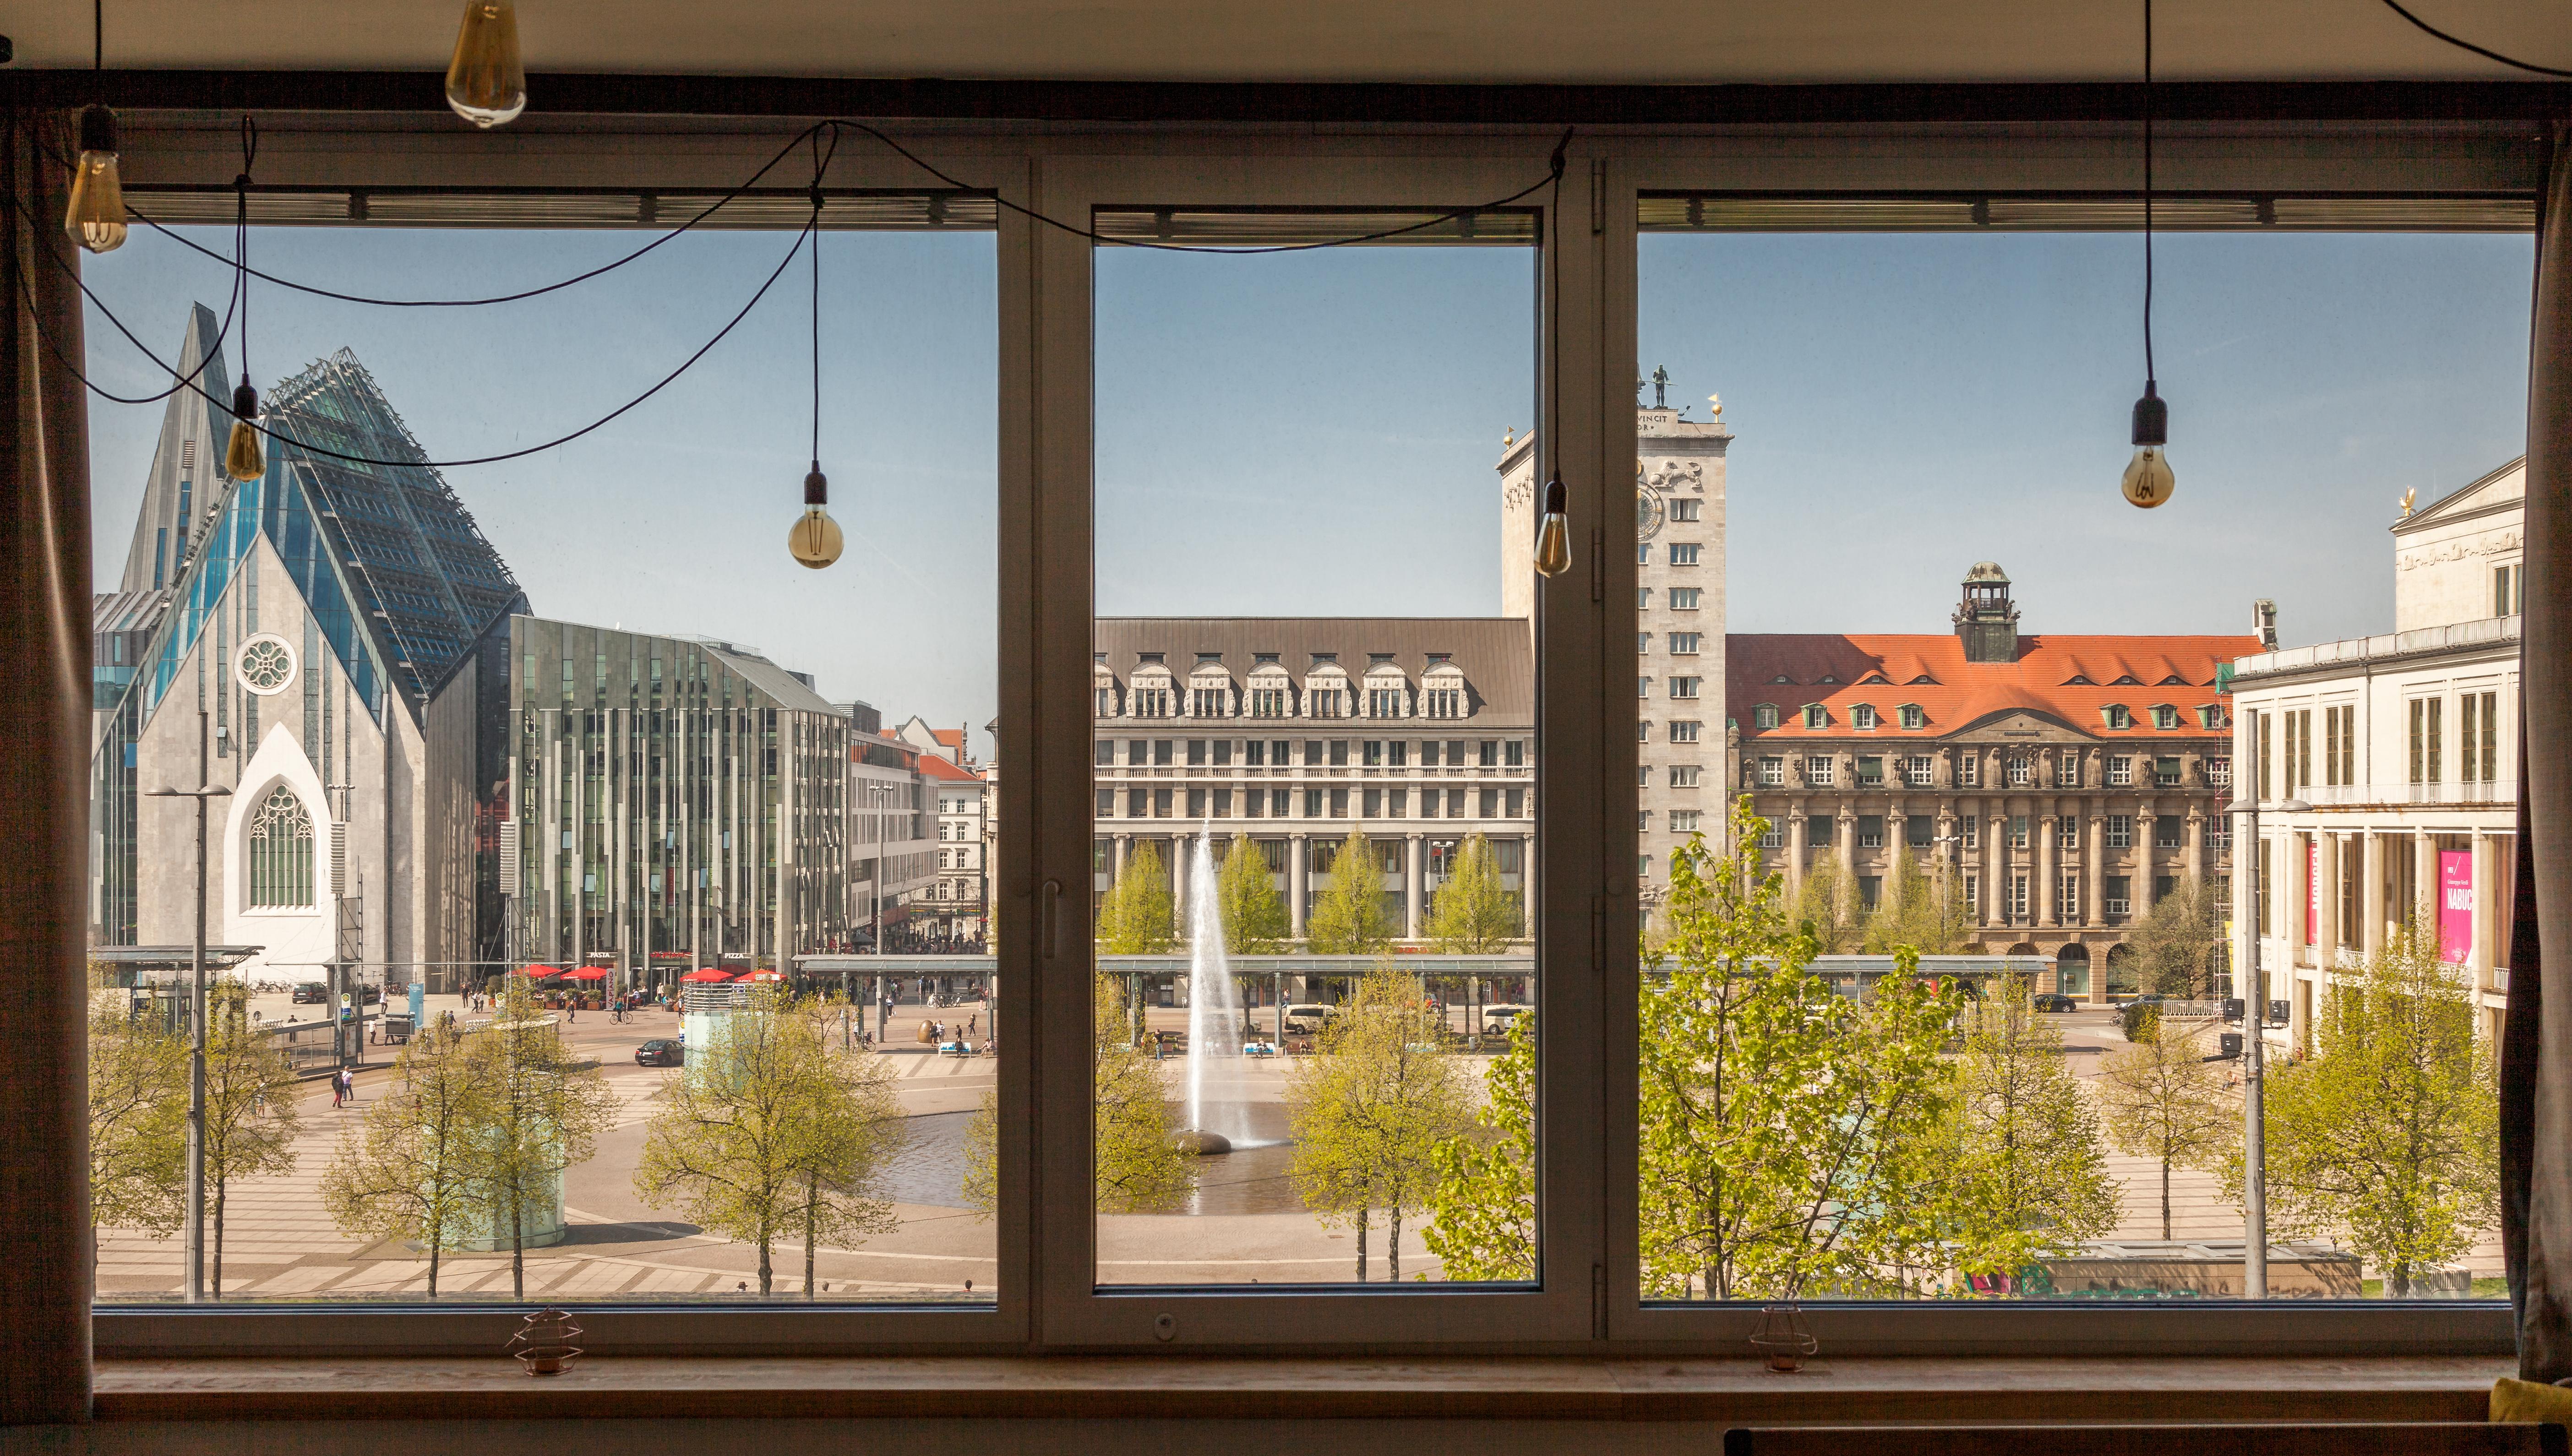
[[1969, 771], [1920, 771], [2120, 770], [1685, 509], [1642, 686], [1870, 831], [1684, 552], [1642, 599], [2425, 714], [2478, 738], [1772, 771], [1817, 830], [1870, 891], [2067, 899], [1642, 553], [1684, 688], [1683, 599], [1684, 729], [1107, 751], [1765, 715], [2067, 832], [1326, 702], [2509, 590], [1196, 752], [1816, 715], [2121, 832], [1870, 772], [1385, 701], [1683, 775], [2119, 717], [2018, 832], [2219, 773], [1445, 701], [2165, 715], [281, 853], [1973, 833], [2115, 890], [1642, 644], [1818, 772], [2168, 831], [2166, 772], [2264, 732], [2022, 770], [1913, 716], [2018, 897], [1106, 703], [1488, 753], [1862, 718], [1267, 702], [1683, 822], [1515, 754], [1683, 644], [2066, 770]]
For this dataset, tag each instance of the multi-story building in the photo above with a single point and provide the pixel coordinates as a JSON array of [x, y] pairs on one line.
[[2406, 747], [954, 905], [1678, 614], [681, 801], [331, 634], [2069, 782], [1410, 732]]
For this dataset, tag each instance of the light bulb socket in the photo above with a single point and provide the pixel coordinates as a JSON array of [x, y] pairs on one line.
[[245, 401], [1553, 496], [98, 129], [817, 487], [2151, 418]]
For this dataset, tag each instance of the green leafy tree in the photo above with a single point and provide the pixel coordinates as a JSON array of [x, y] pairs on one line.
[[772, 1129], [2027, 1176], [2387, 1136], [1254, 914], [1141, 1166], [1826, 907], [982, 1159], [2179, 947], [1371, 1107], [1135, 917], [1915, 908], [1785, 1130], [410, 1167], [138, 1121], [1482, 1209], [1473, 913], [542, 1111], [1350, 917], [250, 1114], [2160, 1097]]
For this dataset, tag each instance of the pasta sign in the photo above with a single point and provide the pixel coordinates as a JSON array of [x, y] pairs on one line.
[[2456, 904]]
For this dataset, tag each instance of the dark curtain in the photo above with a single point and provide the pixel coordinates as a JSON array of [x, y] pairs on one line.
[[2536, 1047], [45, 1263]]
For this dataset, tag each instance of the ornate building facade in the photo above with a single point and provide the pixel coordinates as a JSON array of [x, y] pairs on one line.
[[2064, 785]]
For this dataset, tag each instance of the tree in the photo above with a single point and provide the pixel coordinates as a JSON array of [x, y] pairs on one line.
[[1472, 914], [138, 1121], [772, 1129], [1350, 917], [251, 1116], [2027, 1176], [1254, 914], [1784, 1128], [2160, 1097], [1371, 1107], [1826, 907], [1140, 1165], [1482, 1209], [1916, 909], [542, 1112], [2180, 946], [1135, 917], [410, 1167], [2387, 1136]]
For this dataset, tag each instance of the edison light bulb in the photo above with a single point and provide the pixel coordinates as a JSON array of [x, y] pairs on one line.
[[244, 460], [1552, 535], [486, 83], [2147, 477], [2149, 481], [814, 540], [96, 218]]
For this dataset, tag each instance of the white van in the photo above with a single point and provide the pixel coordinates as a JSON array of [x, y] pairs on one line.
[[1308, 1021], [1497, 1019]]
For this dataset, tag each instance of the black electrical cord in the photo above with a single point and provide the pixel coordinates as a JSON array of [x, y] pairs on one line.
[[2466, 45], [2150, 376], [240, 236]]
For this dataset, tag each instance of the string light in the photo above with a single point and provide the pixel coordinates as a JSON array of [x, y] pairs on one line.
[[487, 82], [244, 459], [2147, 481], [96, 216], [813, 539]]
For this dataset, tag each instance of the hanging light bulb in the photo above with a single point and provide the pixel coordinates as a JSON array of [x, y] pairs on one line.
[[244, 460], [96, 218], [2149, 481], [486, 83], [814, 540], [1553, 533]]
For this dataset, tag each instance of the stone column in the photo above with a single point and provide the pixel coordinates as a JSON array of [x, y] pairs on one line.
[[1415, 871], [1896, 835], [1798, 836], [1295, 878], [2042, 891], [1995, 861], [2371, 891], [1119, 847], [1182, 851], [2143, 888], [2195, 868], [2093, 864], [2478, 955], [1847, 836], [2424, 882], [2331, 871]]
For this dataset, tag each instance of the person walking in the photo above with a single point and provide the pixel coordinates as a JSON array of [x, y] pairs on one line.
[[339, 1096]]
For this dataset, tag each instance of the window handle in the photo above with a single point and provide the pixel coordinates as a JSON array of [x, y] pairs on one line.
[[1051, 913]]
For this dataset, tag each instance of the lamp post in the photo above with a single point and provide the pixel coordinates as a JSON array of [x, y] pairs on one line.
[[196, 1027], [2255, 1015]]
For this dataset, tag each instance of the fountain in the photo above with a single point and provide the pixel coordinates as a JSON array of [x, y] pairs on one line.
[[1215, 1009]]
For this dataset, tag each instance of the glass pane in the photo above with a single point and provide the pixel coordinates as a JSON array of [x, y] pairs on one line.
[[1981, 710], [619, 874], [1314, 728]]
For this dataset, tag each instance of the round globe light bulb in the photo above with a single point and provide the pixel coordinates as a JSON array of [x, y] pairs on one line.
[[814, 540]]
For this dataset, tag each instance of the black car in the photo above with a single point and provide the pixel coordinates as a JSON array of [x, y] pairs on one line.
[[2056, 1000], [660, 1052], [311, 993]]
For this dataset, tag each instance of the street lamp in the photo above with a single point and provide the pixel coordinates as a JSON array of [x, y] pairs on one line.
[[2254, 1008], [196, 1027]]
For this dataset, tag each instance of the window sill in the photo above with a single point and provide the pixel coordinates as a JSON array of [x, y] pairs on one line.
[[1715, 1391]]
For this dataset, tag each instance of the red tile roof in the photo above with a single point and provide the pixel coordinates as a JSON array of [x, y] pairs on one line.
[[952, 738], [932, 767], [2048, 679]]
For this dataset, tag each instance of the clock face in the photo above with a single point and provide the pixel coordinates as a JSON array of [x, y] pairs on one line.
[[1649, 512]]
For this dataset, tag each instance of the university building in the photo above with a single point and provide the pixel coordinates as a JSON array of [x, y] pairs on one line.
[[953, 910], [2406, 747], [2062, 784], [1411, 732]]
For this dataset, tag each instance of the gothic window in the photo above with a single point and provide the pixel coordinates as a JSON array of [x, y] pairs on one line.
[[280, 851]]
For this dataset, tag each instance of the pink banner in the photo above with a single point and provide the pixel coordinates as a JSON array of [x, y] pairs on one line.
[[2314, 892], [2456, 904]]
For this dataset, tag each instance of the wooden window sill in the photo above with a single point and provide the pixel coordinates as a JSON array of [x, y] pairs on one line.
[[1725, 1391]]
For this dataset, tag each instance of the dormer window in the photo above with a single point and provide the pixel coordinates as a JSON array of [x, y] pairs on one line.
[[2165, 715], [1862, 718], [1816, 715], [1826, 677], [1765, 715], [1913, 716], [2118, 719], [2079, 680], [2126, 680], [1923, 678], [2172, 680], [1781, 677], [1152, 657], [1875, 679], [1258, 658]]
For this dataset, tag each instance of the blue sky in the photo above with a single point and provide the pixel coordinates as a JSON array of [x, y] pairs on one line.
[[1314, 433]]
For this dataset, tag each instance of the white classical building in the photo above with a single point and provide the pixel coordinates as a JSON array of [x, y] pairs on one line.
[[2406, 746]]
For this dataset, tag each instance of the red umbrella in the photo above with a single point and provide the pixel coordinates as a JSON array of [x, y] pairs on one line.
[[707, 974], [588, 973], [537, 973]]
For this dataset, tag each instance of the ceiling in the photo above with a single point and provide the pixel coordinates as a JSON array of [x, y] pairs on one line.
[[1449, 41]]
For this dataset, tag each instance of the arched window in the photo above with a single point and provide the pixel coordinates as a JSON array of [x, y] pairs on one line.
[[280, 851]]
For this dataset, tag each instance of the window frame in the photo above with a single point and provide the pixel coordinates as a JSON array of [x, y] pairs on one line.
[[1588, 1300]]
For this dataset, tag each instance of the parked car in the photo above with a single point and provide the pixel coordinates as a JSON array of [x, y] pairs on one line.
[[1309, 1020], [2056, 1000], [660, 1052], [311, 993], [370, 995], [1497, 1019]]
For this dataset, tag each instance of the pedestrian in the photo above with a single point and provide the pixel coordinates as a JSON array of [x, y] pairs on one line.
[[338, 1098], [969, 1021]]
